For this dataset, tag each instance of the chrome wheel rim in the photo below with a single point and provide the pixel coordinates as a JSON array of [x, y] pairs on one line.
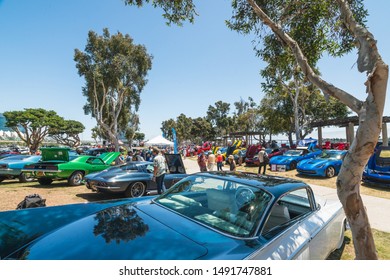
[[137, 189], [330, 172]]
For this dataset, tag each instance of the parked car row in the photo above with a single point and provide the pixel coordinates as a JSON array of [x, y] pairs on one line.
[[212, 215], [290, 158]]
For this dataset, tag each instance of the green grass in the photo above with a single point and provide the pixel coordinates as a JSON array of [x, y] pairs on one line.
[[347, 252]]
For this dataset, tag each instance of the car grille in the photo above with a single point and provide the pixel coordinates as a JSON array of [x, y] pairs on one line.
[[306, 171], [3, 166]]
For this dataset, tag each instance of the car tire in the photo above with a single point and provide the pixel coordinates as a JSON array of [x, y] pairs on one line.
[[76, 178], [45, 181], [330, 172], [136, 189], [2, 178], [293, 165], [24, 178]]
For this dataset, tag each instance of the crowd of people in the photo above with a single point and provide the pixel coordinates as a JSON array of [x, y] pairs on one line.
[[207, 161]]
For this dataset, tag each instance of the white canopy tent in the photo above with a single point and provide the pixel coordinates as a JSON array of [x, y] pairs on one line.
[[158, 141]]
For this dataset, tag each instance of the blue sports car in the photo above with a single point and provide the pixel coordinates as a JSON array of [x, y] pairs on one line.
[[11, 167], [328, 164], [290, 159], [377, 170], [205, 216]]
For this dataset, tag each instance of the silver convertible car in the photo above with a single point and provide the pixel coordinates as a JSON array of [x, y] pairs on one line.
[[205, 216], [134, 179]]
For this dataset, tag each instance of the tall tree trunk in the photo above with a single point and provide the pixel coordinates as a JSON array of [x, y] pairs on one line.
[[349, 178], [296, 111], [290, 139]]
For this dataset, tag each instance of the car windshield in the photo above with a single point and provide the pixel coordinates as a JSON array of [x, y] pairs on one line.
[[332, 155], [293, 153], [226, 206]]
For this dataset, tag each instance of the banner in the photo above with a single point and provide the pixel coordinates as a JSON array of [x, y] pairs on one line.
[[174, 141]]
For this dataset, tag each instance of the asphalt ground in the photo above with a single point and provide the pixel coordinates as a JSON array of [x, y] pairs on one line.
[[378, 209]]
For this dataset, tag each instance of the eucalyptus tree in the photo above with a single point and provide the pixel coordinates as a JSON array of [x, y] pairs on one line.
[[183, 128], [67, 132], [115, 72], [277, 105], [342, 30], [32, 125], [219, 117], [166, 128], [202, 130]]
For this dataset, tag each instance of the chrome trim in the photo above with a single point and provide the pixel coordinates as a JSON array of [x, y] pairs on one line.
[[283, 232], [41, 170]]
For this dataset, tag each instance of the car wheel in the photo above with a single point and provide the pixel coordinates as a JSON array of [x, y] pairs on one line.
[[45, 181], [2, 178], [76, 178], [330, 172], [136, 189], [293, 165], [24, 178]]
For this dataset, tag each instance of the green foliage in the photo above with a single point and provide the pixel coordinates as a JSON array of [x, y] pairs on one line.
[[66, 132], [276, 108], [219, 117], [201, 130], [33, 125], [315, 24], [188, 129], [166, 128], [175, 11], [115, 72]]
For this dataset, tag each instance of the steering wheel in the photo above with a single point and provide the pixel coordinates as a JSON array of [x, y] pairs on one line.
[[243, 196]]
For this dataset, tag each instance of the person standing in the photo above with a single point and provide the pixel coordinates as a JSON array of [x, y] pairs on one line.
[[231, 163], [202, 161], [262, 155], [219, 161], [210, 162], [160, 167]]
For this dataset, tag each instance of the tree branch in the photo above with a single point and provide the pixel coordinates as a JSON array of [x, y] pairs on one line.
[[353, 103]]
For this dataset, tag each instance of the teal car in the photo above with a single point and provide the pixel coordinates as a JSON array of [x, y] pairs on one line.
[[11, 167], [59, 164]]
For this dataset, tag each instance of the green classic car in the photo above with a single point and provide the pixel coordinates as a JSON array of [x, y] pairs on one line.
[[59, 164]]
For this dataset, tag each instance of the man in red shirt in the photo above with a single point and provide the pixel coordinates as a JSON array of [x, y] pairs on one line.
[[219, 161]]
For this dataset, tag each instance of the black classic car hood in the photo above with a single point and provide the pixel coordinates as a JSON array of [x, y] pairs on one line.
[[120, 232]]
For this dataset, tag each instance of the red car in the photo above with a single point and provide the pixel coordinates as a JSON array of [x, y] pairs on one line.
[[251, 155], [271, 153]]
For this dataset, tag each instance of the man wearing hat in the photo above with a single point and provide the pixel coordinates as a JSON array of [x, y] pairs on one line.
[[231, 163], [262, 159]]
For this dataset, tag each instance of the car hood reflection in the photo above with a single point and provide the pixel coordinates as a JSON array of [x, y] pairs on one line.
[[122, 232]]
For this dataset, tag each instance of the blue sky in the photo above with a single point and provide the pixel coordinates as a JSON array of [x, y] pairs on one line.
[[193, 67]]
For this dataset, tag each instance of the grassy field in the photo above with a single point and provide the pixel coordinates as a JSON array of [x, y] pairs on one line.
[[382, 241]]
